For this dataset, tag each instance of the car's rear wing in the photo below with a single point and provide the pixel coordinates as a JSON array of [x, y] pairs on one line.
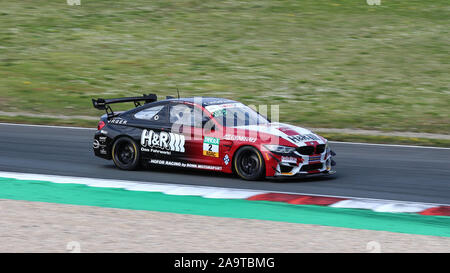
[[103, 104]]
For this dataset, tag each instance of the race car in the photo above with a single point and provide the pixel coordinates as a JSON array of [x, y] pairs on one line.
[[207, 133]]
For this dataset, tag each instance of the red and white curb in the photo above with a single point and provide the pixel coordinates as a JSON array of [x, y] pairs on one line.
[[377, 205]]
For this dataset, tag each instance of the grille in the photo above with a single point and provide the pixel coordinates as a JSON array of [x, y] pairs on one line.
[[309, 150], [306, 150], [320, 148], [311, 167]]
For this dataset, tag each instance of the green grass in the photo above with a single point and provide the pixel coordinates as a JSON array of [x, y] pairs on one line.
[[340, 64]]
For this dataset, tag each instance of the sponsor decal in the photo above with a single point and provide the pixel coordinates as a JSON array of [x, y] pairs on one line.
[[211, 146], [240, 138], [217, 102], [117, 121], [219, 113], [185, 165], [289, 159], [218, 107], [226, 159], [162, 140], [302, 138], [155, 151]]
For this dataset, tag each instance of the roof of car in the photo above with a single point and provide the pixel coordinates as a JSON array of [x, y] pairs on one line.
[[204, 101]]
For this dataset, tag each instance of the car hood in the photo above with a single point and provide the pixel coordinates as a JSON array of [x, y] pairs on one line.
[[298, 136]]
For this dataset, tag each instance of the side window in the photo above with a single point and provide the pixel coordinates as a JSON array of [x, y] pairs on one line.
[[155, 114], [183, 114]]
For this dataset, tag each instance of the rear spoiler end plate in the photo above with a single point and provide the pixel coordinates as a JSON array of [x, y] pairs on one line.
[[103, 104]]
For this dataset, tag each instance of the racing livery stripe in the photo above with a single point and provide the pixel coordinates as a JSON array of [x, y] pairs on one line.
[[250, 195]]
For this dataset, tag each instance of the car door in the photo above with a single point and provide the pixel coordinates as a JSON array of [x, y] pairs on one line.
[[157, 144], [200, 148]]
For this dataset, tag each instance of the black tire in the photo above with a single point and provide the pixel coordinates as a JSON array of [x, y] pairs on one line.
[[249, 163], [125, 154]]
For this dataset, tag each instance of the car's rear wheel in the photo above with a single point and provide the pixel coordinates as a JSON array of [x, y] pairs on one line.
[[249, 164], [125, 154]]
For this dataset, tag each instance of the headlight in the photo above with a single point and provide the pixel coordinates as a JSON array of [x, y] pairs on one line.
[[280, 149]]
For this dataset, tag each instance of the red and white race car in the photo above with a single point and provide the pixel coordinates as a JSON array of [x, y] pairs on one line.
[[208, 133]]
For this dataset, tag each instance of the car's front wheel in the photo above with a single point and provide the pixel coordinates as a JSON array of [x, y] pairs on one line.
[[249, 164], [125, 154]]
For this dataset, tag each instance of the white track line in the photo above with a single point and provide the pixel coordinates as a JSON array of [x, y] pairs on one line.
[[47, 126], [337, 142]]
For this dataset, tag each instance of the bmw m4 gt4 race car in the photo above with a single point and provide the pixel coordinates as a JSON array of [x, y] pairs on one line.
[[207, 133]]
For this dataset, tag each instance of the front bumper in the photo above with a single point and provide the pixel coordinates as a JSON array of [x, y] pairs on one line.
[[311, 175], [303, 165]]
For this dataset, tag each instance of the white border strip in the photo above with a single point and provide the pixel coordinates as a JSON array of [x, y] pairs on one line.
[[382, 206], [173, 189]]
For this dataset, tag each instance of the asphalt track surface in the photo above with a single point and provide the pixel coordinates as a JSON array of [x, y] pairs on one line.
[[367, 171]]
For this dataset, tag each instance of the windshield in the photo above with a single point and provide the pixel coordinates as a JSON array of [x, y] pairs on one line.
[[235, 114]]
